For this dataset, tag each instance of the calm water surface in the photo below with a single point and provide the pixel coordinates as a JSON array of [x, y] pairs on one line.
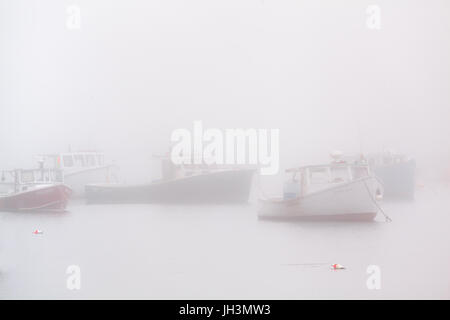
[[214, 252]]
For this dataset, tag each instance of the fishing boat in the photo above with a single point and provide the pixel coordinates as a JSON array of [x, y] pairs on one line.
[[32, 190], [397, 173], [81, 168], [180, 184], [335, 191]]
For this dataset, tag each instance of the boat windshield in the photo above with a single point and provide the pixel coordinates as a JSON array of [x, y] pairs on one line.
[[68, 160], [319, 175], [340, 174], [360, 172], [40, 176], [91, 160], [27, 176], [79, 160], [100, 159], [319, 178]]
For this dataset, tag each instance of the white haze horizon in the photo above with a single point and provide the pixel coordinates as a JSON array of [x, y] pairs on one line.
[[137, 70]]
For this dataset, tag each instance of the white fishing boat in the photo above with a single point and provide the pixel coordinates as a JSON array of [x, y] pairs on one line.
[[81, 168], [336, 191]]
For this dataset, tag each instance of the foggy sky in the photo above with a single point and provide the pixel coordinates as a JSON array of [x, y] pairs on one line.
[[136, 70]]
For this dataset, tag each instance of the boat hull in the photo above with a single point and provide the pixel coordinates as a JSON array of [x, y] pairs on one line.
[[53, 197], [353, 200], [218, 187], [398, 179]]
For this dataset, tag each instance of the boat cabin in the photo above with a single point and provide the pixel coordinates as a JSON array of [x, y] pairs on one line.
[[74, 160], [21, 179], [319, 177]]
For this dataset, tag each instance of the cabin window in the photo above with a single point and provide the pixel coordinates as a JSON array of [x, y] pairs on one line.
[[360, 172], [27, 176], [41, 176], [79, 160], [90, 159], [319, 176], [339, 174], [51, 162], [58, 176], [100, 159], [68, 161]]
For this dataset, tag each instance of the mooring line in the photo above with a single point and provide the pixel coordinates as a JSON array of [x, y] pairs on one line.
[[388, 219]]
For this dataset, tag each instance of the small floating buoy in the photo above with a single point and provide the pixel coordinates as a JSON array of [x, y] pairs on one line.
[[37, 231], [337, 266]]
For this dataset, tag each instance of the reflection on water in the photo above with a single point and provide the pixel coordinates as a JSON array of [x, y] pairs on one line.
[[157, 252]]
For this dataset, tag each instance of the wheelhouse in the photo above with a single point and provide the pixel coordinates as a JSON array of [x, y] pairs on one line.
[[319, 177], [75, 160], [21, 179]]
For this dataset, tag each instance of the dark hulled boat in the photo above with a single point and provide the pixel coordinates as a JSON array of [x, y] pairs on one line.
[[397, 173], [180, 184]]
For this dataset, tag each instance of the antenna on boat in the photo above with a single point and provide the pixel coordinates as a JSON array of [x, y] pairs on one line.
[[361, 152]]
